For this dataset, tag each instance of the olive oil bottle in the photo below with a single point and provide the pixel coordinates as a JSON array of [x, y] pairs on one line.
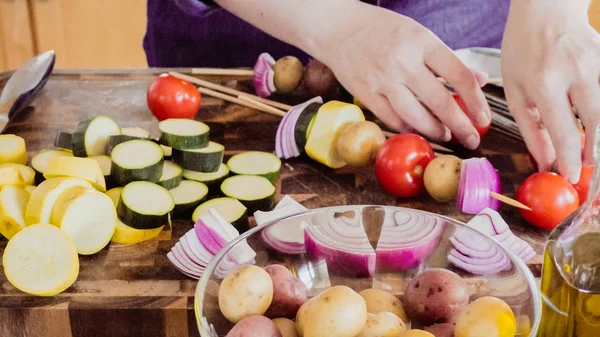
[[570, 287]]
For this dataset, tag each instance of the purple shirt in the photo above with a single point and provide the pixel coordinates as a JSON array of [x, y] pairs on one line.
[[187, 33]]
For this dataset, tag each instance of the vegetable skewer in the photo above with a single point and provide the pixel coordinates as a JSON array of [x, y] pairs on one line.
[[433, 145], [508, 200]]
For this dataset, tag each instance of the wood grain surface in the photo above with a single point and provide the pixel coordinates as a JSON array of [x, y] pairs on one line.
[[134, 290]]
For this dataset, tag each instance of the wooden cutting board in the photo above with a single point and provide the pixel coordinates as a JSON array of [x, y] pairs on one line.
[[134, 290]]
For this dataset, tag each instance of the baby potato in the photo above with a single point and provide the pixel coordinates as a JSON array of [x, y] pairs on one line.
[[441, 330], [489, 316], [336, 312], [442, 177], [286, 326], [255, 326], [288, 72], [380, 300], [319, 80], [416, 333], [246, 291], [382, 324], [359, 142], [289, 293]]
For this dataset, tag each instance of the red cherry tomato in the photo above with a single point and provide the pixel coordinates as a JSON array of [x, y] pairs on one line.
[[583, 185], [581, 132], [481, 130], [551, 199], [172, 97], [401, 162]]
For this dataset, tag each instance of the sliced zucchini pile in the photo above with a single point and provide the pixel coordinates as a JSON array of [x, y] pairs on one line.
[[137, 160], [171, 176], [182, 134], [145, 205], [256, 163], [206, 159], [64, 140], [136, 132], [90, 137], [118, 139], [255, 192], [212, 180], [187, 196], [232, 210]]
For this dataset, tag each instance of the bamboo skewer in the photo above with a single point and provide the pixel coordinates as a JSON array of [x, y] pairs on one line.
[[272, 110], [236, 100], [508, 200], [230, 91], [218, 71]]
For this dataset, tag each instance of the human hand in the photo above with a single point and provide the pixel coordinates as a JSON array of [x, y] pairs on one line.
[[551, 63], [390, 63]]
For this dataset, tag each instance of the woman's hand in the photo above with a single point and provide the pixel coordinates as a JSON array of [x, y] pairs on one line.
[[390, 63], [550, 65]]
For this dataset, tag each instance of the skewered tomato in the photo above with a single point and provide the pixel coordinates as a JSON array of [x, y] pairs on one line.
[[172, 97], [551, 198], [401, 162]]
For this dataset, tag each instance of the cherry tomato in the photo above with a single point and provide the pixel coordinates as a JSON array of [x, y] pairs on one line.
[[172, 97], [481, 130], [401, 162], [583, 185], [551, 199], [581, 132]]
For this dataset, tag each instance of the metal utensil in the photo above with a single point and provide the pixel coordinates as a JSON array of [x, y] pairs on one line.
[[24, 84]]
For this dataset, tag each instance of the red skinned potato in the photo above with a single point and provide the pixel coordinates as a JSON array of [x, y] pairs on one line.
[[441, 330], [319, 80], [289, 293], [254, 326]]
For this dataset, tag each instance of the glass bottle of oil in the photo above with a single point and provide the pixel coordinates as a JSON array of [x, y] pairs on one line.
[[571, 271]]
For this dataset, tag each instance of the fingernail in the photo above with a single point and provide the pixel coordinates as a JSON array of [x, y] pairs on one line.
[[447, 135], [482, 119], [472, 142]]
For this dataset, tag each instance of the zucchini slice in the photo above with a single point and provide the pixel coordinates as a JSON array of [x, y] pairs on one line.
[[207, 159], [232, 210], [104, 162], [145, 205], [182, 133], [212, 180], [118, 139], [13, 149], [41, 260], [136, 132], [304, 123], [43, 198], [64, 140], [137, 160], [39, 161], [125, 234], [187, 196], [255, 192], [256, 163], [26, 173], [13, 203], [75, 167], [172, 175], [87, 216], [90, 137]]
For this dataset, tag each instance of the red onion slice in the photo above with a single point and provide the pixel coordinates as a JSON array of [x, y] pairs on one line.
[[200, 253], [286, 237], [263, 75], [209, 237], [285, 140], [477, 179], [479, 269], [408, 240], [182, 268]]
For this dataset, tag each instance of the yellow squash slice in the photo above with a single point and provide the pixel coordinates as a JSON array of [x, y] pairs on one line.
[[10, 176], [12, 150], [13, 202], [328, 124], [41, 260], [43, 198], [87, 216], [76, 167], [30, 188], [129, 235], [27, 173]]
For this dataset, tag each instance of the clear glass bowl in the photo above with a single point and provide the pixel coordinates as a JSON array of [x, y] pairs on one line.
[[515, 285]]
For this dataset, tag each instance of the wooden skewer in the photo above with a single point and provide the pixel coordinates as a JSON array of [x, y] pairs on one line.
[[508, 200], [230, 91], [236, 100], [272, 110], [227, 72], [433, 145]]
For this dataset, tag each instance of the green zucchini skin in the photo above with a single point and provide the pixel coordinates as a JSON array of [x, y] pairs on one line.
[[241, 223], [272, 176], [64, 140], [265, 204], [78, 142], [118, 139], [184, 211], [123, 176], [171, 183], [214, 185], [184, 142], [301, 127], [198, 161], [140, 221]]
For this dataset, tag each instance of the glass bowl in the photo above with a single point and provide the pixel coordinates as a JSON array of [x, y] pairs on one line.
[[515, 284]]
